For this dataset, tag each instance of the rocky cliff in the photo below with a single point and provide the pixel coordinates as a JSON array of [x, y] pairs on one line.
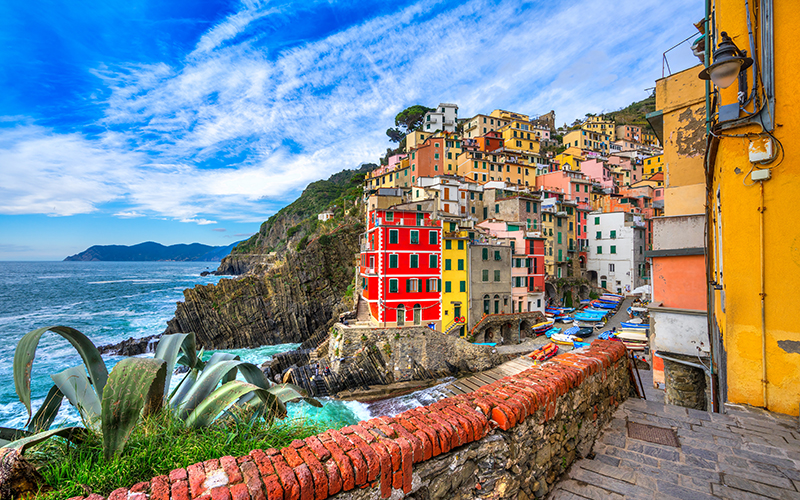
[[290, 298]]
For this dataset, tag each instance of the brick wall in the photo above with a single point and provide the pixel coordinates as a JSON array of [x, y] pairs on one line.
[[510, 439]]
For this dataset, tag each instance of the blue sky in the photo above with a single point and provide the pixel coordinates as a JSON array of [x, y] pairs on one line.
[[184, 121]]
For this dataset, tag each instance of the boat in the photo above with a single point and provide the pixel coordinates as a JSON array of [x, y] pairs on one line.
[[635, 326], [560, 338], [614, 295], [588, 324], [549, 333], [572, 330], [563, 319], [603, 305], [634, 346], [632, 335], [542, 327], [582, 316], [545, 352]]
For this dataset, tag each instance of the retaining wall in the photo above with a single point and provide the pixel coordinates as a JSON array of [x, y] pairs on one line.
[[509, 439]]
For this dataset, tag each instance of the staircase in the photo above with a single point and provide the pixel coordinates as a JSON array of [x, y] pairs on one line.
[[362, 310], [322, 387], [452, 327]]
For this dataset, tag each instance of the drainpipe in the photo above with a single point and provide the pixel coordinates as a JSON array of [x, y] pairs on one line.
[[763, 296]]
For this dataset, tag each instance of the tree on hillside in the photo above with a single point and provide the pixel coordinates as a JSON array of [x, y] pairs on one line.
[[407, 120]]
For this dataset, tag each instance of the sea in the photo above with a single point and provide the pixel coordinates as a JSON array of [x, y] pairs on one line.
[[111, 302]]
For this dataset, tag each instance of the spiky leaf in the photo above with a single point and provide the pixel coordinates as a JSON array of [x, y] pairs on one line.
[[74, 384], [290, 393], [46, 414], [8, 435], [168, 349], [135, 387], [26, 352], [74, 434], [226, 395], [205, 385]]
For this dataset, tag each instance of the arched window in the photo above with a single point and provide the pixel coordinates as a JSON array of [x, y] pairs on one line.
[[401, 315], [417, 314], [497, 304]]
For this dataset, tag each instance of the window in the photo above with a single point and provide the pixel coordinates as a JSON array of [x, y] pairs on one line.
[[570, 226], [414, 237], [432, 285], [497, 275], [393, 285], [448, 244], [447, 288], [389, 215], [613, 249], [393, 262], [486, 304], [613, 234], [460, 244], [433, 239], [597, 220], [599, 235], [496, 208], [446, 264], [433, 261], [528, 208], [611, 268], [599, 250], [497, 255], [485, 275], [413, 261], [559, 239], [393, 236], [460, 264], [485, 253], [640, 250], [558, 222], [462, 286], [412, 285]]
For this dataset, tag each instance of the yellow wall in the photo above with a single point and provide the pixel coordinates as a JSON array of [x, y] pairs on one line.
[[454, 276], [739, 316], [652, 164]]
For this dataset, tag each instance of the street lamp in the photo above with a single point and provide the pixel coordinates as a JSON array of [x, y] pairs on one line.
[[729, 62]]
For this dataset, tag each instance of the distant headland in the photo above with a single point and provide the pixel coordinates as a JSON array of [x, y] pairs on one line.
[[152, 251]]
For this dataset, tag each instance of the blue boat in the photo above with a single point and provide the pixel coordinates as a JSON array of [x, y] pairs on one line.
[[572, 331], [637, 326], [551, 331]]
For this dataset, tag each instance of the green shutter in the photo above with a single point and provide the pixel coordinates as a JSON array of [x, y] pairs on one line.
[[446, 264], [433, 261], [462, 286], [408, 285], [446, 287]]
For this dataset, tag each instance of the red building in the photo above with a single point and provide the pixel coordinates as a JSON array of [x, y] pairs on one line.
[[401, 268]]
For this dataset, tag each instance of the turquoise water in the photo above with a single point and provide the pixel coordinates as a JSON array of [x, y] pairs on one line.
[[109, 302]]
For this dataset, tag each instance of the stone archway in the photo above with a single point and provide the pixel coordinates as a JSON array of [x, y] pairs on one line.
[[525, 330], [509, 333], [583, 292], [592, 275], [550, 292]]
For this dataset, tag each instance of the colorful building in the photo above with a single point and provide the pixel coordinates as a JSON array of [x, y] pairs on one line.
[[444, 118], [752, 196], [652, 165], [616, 251], [490, 279], [455, 276], [400, 267], [586, 139]]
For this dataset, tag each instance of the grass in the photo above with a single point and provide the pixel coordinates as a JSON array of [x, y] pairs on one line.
[[158, 445]]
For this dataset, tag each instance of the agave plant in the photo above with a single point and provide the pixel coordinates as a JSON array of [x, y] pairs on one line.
[[112, 404]]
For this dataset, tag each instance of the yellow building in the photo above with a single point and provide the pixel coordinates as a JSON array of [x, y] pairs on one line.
[[752, 198], [519, 135], [570, 159], [507, 166], [587, 139], [399, 177], [652, 165], [455, 278], [600, 125], [415, 139]]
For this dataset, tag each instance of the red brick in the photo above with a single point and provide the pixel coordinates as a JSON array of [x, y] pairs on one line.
[[252, 480], [291, 488], [416, 444], [320, 451], [273, 486], [394, 453], [373, 465], [262, 461], [385, 429], [386, 468], [360, 467], [143, 487], [180, 490], [442, 437], [159, 488], [462, 425], [334, 477], [342, 461], [397, 479], [450, 431], [503, 420], [427, 446], [476, 423], [291, 457], [119, 494], [363, 433], [297, 443], [211, 465], [271, 451], [231, 469], [220, 493], [317, 471], [239, 492], [306, 480], [197, 476], [483, 404], [514, 412], [432, 443], [76, 498], [408, 460], [241, 460]]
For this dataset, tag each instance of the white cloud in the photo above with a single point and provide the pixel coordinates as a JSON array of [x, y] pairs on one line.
[[239, 122]]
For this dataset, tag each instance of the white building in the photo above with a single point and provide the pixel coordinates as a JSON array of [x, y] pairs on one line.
[[616, 259], [450, 191], [444, 117]]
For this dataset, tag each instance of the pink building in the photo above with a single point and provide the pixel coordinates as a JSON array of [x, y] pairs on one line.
[[527, 264], [575, 185], [598, 171]]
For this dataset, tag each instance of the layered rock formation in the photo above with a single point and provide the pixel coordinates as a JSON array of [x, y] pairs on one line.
[[294, 297]]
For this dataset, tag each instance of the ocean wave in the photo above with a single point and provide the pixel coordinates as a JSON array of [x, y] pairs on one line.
[[138, 281]]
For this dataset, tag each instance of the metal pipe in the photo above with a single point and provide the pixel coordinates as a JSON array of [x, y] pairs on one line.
[[682, 362], [763, 296]]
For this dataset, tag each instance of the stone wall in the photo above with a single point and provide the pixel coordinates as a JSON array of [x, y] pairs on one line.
[[509, 439]]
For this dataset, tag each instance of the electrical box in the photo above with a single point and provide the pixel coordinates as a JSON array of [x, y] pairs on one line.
[[760, 149], [760, 175]]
